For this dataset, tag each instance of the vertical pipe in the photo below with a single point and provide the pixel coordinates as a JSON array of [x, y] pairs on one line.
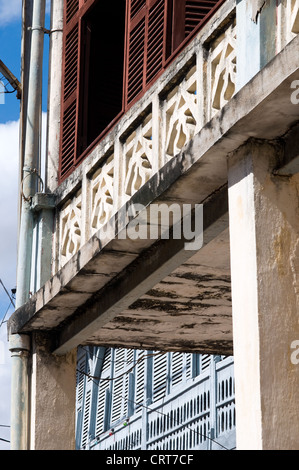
[[31, 153], [213, 401], [144, 424], [19, 346], [25, 56], [147, 400], [54, 95]]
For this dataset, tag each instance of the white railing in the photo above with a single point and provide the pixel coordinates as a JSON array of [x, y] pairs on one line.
[[192, 90], [198, 414], [150, 134]]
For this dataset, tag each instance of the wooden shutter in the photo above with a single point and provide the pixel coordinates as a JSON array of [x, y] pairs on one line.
[[136, 47], [70, 87], [86, 417], [177, 363], [71, 8], [155, 40], [188, 366], [197, 12], [155, 30], [86, 404], [205, 360], [140, 381], [123, 360], [145, 41], [159, 377], [103, 405], [187, 17], [80, 387], [80, 380]]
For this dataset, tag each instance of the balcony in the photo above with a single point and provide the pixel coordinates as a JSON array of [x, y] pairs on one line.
[[197, 415], [170, 147]]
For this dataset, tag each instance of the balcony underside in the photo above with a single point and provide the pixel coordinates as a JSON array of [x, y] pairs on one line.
[[160, 295]]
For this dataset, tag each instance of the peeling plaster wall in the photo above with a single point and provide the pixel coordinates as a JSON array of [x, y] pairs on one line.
[[256, 8], [257, 37]]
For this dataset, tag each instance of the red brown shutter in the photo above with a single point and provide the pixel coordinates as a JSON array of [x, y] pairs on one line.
[[135, 7], [70, 87], [72, 6], [196, 12], [145, 33], [155, 31], [136, 50], [155, 40], [187, 17]]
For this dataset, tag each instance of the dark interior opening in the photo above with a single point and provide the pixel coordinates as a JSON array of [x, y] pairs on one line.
[[103, 41]]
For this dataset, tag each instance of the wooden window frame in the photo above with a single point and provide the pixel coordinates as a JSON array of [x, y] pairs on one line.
[[174, 40]]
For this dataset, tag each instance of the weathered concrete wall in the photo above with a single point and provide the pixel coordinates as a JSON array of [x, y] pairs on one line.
[[257, 34], [256, 7], [53, 397], [264, 228]]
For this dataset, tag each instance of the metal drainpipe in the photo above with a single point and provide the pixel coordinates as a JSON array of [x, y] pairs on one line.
[[19, 344], [31, 169], [54, 95]]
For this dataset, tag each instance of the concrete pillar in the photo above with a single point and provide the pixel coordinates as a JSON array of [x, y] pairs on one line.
[[53, 397], [43, 205], [264, 244]]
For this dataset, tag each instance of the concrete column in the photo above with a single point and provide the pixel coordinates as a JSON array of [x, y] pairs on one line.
[[53, 397], [264, 244], [43, 205]]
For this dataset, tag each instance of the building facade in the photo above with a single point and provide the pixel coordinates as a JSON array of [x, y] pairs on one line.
[[161, 113], [145, 400]]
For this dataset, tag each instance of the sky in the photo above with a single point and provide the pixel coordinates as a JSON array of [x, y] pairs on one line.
[[10, 54]]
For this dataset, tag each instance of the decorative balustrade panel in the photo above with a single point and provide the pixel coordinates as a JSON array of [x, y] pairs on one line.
[[225, 404], [287, 22], [163, 126], [102, 205], [138, 157], [124, 437], [222, 69], [292, 18], [184, 421], [181, 114], [191, 92], [70, 228]]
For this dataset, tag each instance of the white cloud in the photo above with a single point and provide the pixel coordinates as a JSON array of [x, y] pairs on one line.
[[9, 155], [10, 11]]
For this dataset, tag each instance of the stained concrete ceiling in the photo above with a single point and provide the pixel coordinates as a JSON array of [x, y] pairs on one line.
[[194, 297]]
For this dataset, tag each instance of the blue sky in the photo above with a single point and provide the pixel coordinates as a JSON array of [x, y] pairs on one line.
[[10, 54], [10, 51]]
